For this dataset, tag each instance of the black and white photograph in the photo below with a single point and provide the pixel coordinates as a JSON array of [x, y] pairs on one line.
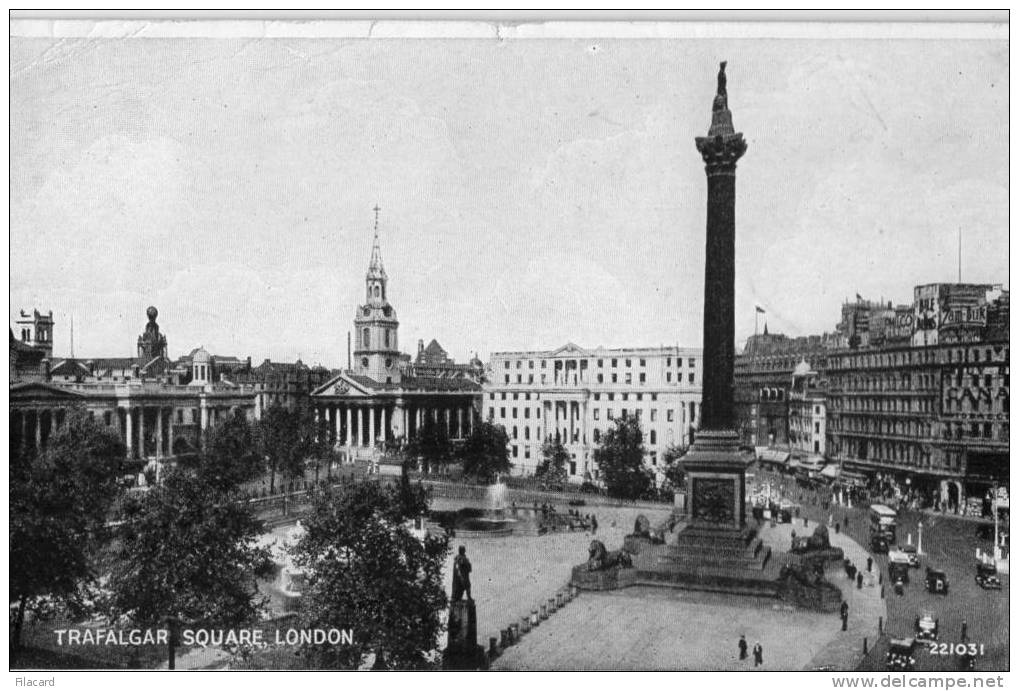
[[490, 345]]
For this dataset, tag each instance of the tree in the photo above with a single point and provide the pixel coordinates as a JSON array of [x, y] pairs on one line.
[[186, 555], [431, 444], [285, 439], [674, 472], [367, 571], [485, 452], [552, 469], [231, 455], [59, 504], [621, 460]]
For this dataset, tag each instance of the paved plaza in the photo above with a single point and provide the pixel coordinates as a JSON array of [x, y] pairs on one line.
[[651, 627]]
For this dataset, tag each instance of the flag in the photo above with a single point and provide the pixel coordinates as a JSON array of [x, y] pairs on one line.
[[859, 298], [759, 309]]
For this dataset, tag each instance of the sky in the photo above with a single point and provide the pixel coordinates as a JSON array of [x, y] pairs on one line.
[[532, 192]]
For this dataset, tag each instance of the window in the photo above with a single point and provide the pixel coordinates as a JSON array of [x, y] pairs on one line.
[[601, 378], [530, 378], [597, 436], [693, 363], [504, 395], [530, 364], [491, 412], [653, 436], [520, 379], [514, 431], [518, 364], [615, 362], [670, 414], [817, 428], [364, 362], [596, 412], [527, 432], [514, 451], [515, 396], [386, 333], [668, 377], [491, 396], [629, 362], [679, 362], [543, 364], [615, 378], [654, 414], [527, 452], [629, 377], [640, 397], [626, 396], [507, 379], [643, 362], [609, 414], [668, 362], [691, 378], [527, 413], [643, 378], [514, 414], [597, 397], [601, 363], [612, 397], [502, 412], [365, 338]]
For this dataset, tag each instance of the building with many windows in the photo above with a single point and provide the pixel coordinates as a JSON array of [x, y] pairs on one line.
[[575, 394]]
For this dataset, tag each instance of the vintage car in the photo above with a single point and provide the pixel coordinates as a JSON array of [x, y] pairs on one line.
[[879, 544], [901, 654], [926, 627], [898, 570], [912, 554], [936, 581], [987, 577]]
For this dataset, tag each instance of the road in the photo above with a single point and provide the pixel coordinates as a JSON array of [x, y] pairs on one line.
[[949, 543]]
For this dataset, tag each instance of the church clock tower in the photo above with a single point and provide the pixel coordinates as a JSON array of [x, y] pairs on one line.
[[376, 351]]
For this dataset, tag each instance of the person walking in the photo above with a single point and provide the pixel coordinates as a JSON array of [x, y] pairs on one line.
[[742, 647], [758, 655], [594, 524], [870, 563]]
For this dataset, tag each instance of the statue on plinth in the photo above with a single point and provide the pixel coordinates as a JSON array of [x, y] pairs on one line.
[[600, 559], [461, 576]]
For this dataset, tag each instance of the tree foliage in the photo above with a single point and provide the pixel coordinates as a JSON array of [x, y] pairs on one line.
[[674, 473], [552, 470], [231, 456], [431, 444], [486, 452], [186, 552], [59, 504], [621, 460], [367, 571], [286, 438]]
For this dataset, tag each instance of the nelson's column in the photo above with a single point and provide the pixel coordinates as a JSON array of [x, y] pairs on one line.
[[715, 467]]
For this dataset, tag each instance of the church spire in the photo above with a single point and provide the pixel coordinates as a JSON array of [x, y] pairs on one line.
[[375, 269]]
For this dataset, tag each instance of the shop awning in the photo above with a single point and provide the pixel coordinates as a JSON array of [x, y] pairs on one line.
[[773, 456], [831, 471]]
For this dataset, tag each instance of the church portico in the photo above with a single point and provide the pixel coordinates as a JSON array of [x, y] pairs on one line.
[[381, 399]]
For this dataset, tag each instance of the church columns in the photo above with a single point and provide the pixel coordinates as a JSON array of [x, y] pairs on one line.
[[360, 428], [459, 423], [159, 433], [372, 434], [128, 432], [339, 427], [350, 429], [385, 428]]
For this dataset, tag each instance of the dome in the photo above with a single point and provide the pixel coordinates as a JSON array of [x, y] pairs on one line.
[[201, 356], [802, 369], [152, 313]]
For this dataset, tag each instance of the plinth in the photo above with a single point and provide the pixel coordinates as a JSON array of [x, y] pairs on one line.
[[462, 649]]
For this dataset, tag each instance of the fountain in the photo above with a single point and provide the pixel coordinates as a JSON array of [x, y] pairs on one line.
[[285, 589]]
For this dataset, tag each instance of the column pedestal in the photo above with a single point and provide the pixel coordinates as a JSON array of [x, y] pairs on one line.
[[463, 651]]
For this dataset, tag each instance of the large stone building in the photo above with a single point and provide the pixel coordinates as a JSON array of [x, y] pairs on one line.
[[158, 407], [915, 394], [381, 398], [574, 394]]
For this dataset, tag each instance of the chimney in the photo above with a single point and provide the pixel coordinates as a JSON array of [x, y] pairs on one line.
[[46, 369]]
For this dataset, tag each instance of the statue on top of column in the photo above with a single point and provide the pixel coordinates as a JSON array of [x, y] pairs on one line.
[[721, 97]]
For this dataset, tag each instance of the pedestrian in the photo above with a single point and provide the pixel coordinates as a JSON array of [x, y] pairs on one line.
[[594, 524], [963, 637], [758, 655], [870, 563], [742, 647], [859, 581]]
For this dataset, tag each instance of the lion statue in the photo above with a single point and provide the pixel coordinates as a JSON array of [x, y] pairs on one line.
[[600, 559], [642, 526]]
